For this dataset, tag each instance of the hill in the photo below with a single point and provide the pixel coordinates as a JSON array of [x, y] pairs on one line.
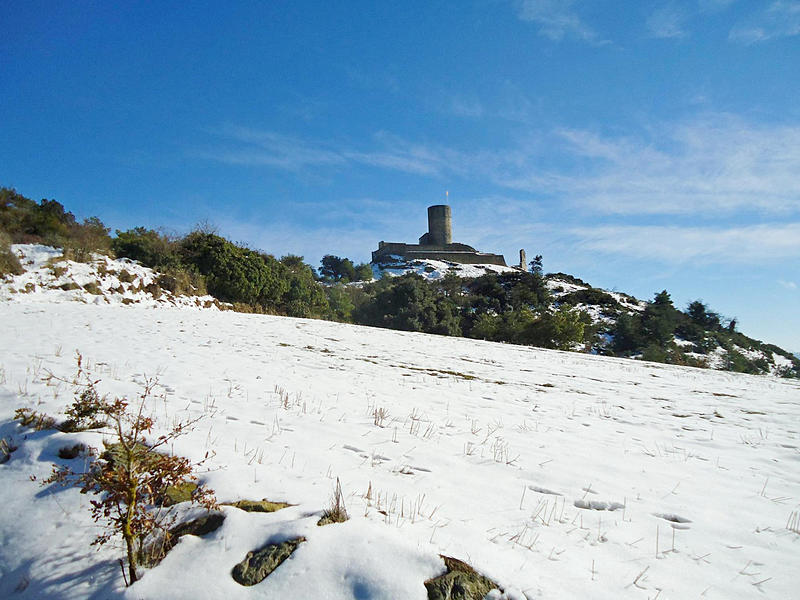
[[603, 322], [488, 302], [555, 474]]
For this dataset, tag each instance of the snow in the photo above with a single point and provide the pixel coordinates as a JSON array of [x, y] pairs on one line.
[[559, 287], [559, 475], [435, 269], [46, 271]]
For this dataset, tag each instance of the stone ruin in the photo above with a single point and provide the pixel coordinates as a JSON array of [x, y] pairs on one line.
[[437, 244]]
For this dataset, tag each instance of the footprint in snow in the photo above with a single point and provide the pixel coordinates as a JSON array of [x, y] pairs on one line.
[[677, 521], [598, 505]]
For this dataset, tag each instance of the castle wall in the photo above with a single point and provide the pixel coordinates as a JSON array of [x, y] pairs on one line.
[[457, 253], [437, 244]]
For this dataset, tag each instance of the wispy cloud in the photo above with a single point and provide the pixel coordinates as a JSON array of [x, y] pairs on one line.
[[246, 146], [557, 19], [711, 165], [465, 107], [720, 163], [780, 19], [667, 22], [789, 285], [741, 245]]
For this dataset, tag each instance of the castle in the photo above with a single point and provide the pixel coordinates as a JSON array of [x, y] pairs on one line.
[[437, 244]]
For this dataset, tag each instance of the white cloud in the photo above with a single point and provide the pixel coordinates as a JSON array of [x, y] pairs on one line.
[[716, 164], [780, 19], [740, 245], [789, 285], [667, 22], [556, 20], [247, 146]]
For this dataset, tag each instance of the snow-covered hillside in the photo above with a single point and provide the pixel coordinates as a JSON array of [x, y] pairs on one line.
[[434, 269], [558, 475], [50, 277]]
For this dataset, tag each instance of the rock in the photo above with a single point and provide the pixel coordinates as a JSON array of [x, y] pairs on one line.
[[154, 552], [264, 505], [461, 582], [257, 565], [199, 526]]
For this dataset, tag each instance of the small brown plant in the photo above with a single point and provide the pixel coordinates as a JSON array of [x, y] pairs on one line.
[[35, 420], [336, 511], [379, 416], [132, 476]]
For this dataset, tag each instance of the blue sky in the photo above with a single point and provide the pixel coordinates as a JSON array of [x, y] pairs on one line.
[[638, 145]]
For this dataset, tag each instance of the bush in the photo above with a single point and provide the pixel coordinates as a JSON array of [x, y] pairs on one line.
[[132, 476], [567, 278], [236, 274], [409, 303], [49, 223], [150, 248], [9, 263], [559, 330], [181, 281], [87, 239], [591, 296]]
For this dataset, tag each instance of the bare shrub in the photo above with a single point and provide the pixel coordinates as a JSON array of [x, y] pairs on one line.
[[132, 476]]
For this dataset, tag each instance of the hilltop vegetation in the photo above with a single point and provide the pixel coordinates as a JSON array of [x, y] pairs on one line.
[[552, 311]]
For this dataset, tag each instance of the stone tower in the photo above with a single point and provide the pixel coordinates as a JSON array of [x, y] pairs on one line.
[[523, 260], [437, 244], [440, 231]]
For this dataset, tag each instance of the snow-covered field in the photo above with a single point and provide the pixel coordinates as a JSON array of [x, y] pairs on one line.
[[558, 475]]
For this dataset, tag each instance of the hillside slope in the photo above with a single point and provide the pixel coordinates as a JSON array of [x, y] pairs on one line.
[[558, 475], [615, 324]]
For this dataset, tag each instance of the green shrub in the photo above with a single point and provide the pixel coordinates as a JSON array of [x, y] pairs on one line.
[[150, 248], [409, 303], [49, 223], [236, 274], [567, 278], [591, 296]]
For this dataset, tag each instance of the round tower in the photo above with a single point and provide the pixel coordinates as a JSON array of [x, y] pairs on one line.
[[439, 225]]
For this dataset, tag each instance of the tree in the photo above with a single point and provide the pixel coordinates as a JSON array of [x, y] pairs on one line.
[[363, 272], [536, 265], [627, 334], [335, 268], [701, 315], [660, 319]]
